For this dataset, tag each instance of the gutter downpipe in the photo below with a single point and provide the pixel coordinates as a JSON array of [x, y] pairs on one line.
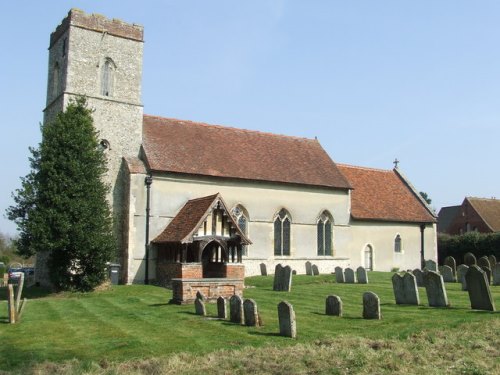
[[148, 181], [422, 246]]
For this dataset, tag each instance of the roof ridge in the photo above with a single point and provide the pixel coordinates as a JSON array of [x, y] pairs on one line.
[[484, 199], [365, 168], [226, 127]]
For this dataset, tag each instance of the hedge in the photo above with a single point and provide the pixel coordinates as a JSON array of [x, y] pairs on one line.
[[479, 244]]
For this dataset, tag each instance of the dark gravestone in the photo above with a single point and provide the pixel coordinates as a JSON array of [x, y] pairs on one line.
[[431, 265], [451, 262], [405, 289], [199, 295], [493, 260], [221, 308], [487, 271], [199, 307], [286, 317], [349, 276], [333, 306], [277, 277], [436, 292], [371, 306], [461, 271], [479, 290], [496, 274], [469, 259], [419, 275], [263, 269], [448, 275], [287, 278], [236, 309], [251, 314], [315, 270], [339, 274], [362, 275], [398, 289], [484, 262], [309, 270]]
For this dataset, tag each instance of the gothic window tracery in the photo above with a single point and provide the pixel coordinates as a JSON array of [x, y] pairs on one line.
[[325, 234], [282, 232], [107, 77]]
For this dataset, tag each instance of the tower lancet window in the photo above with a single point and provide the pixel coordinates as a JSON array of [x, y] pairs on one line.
[[107, 77], [56, 74]]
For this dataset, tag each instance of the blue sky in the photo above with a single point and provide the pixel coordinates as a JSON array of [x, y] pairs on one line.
[[373, 80]]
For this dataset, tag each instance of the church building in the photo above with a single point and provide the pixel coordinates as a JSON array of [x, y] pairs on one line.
[[179, 201]]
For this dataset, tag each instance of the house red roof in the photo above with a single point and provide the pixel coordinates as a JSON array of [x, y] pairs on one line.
[[180, 146], [384, 195], [489, 210]]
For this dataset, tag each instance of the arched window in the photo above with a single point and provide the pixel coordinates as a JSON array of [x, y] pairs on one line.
[[368, 252], [325, 234], [240, 215], [398, 245], [282, 226], [55, 80], [107, 77]]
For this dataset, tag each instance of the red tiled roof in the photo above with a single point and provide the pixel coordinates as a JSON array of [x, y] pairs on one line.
[[489, 210], [179, 146], [383, 195], [135, 165]]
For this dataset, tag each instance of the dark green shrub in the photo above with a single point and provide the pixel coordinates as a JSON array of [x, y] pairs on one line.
[[479, 244]]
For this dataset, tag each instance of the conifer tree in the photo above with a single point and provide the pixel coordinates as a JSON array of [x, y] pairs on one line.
[[61, 208]]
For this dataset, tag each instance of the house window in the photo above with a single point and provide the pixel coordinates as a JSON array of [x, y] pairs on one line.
[[107, 77], [398, 246], [240, 215], [324, 234], [282, 227]]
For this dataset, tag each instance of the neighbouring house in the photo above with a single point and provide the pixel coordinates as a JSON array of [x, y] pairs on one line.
[[199, 206]]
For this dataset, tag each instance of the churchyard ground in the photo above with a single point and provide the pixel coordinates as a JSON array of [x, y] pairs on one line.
[[133, 329]]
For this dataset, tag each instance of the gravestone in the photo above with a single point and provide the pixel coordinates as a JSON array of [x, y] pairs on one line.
[[448, 276], [469, 259], [405, 289], [461, 271], [315, 270], [496, 274], [199, 307], [339, 274], [309, 270], [487, 271], [371, 306], [286, 318], [282, 278], [479, 290], [277, 277], [436, 292], [263, 269], [419, 275], [250, 312], [199, 295], [484, 262], [431, 265], [236, 309], [362, 275], [349, 276], [452, 263], [333, 306], [221, 308], [493, 260], [398, 289]]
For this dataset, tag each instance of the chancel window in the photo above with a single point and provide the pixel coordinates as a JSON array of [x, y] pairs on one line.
[[325, 234], [240, 215], [107, 77], [398, 244], [282, 229]]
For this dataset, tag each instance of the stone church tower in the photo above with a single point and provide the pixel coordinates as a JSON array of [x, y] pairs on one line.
[[101, 59]]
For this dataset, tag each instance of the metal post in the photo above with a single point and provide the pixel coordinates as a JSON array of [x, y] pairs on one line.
[[148, 181], [422, 246]]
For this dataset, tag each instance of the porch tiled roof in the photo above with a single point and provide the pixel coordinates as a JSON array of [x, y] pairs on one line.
[[179, 146]]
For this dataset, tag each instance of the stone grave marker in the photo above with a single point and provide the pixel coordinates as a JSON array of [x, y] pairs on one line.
[[398, 289], [452, 263], [496, 274], [199, 307], [221, 308], [448, 276], [493, 260], [461, 271], [419, 275], [405, 289], [315, 270], [349, 276], [469, 259], [309, 270], [250, 312], [277, 277], [487, 271], [287, 278], [263, 269], [371, 306], [431, 265], [339, 274], [479, 290], [484, 262], [286, 317], [236, 309], [362, 275], [200, 295], [333, 306], [436, 292]]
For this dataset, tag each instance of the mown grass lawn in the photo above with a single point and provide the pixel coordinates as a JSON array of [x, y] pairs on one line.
[[136, 322]]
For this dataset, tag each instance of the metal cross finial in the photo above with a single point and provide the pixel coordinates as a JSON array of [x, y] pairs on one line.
[[396, 162]]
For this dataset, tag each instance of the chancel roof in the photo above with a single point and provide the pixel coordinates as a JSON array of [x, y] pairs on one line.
[[384, 195], [489, 210], [179, 146]]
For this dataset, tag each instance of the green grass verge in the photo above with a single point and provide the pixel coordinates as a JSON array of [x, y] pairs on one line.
[[135, 323]]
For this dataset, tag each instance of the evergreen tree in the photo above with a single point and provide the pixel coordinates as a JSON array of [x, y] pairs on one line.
[[62, 207]]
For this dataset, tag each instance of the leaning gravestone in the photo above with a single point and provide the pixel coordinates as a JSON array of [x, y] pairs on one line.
[[277, 277], [286, 278], [479, 290], [419, 275], [496, 274], [362, 275], [339, 274], [448, 275], [461, 271], [469, 259], [286, 318], [199, 307], [315, 270], [431, 265], [309, 270], [251, 314], [263, 269], [236, 309], [487, 271], [484, 262], [371, 306], [451, 262], [436, 292], [493, 260], [333, 306], [349, 276], [221, 308], [200, 295]]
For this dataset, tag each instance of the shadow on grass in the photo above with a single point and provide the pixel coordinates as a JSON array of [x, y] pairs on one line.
[[31, 292], [160, 304], [267, 334]]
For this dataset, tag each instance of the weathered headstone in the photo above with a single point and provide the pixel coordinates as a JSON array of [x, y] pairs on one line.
[[250, 312], [436, 292], [461, 271], [263, 269], [371, 306], [277, 277], [200, 295], [487, 271], [221, 308], [398, 289], [287, 279], [349, 276], [315, 270], [452, 263], [484, 262], [431, 265], [469, 259], [479, 290], [11, 304], [448, 275], [496, 274], [333, 306], [309, 270], [405, 289], [339, 274], [236, 309], [493, 260], [286, 317], [419, 275], [362, 275], [199, 307]]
